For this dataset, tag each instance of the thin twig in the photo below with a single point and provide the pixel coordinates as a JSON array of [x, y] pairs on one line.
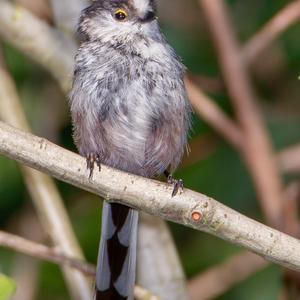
[[289, 159], [40, 8], [41, 42], [213, 115], [286, 17], [52, 255], [43, 252], [219, 279], [257, 152], [189, 208], [160, 270]]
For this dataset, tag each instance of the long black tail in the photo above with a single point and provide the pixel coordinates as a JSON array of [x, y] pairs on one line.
[[116, 267]]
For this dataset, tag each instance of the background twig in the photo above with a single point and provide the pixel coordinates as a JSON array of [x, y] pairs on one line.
[[217, 280], [278, 24], [257, 146]]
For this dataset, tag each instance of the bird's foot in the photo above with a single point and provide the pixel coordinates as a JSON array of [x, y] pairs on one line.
[[177, 183], [91, 159]]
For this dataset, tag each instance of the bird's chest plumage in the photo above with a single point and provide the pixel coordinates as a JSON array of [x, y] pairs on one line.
[[132, 105]]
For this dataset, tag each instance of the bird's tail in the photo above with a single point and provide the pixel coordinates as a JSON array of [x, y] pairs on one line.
[[116, 267]]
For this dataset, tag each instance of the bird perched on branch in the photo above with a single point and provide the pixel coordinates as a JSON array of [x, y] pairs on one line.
[[130, 111]]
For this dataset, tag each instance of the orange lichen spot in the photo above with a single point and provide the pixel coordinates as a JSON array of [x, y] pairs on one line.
[[196, 216]]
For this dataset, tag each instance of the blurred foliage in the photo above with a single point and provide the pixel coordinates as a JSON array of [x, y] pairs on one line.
[[222, 174], [7, 287]]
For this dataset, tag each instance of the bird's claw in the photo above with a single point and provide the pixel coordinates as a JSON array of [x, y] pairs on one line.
[[91, 159], [177, 183]]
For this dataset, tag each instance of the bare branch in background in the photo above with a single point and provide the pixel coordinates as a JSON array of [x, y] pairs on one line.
[[26, 270], [43, 252], [42, 43], [257, 152], [289, 159], [213, 115], [40, 8], [286, 17], [219, 279], [45, 195], [291, 209], [159, 268], [190, 208], [52, 255]]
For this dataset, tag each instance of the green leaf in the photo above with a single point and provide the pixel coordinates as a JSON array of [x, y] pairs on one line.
[[7, 287]]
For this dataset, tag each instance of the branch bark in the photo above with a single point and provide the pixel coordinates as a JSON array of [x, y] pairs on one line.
[[190, 208]]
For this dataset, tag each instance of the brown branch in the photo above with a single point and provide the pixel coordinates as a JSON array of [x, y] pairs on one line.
[[213, 115], [189, 208], [286, 17], [217, 280], [52, 255], [43, 252], [160, 270], [257, 152], [289, 159], [38, 40]]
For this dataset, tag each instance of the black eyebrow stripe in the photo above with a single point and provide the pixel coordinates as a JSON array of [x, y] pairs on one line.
[[150, 16]]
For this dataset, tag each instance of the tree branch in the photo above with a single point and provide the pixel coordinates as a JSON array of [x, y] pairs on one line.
[[289, 159], [38, 40], [217, 280], [258, 152], [213, 115], [277, 25], [160, 269], [190, 208], [43, 252], [55, 256]]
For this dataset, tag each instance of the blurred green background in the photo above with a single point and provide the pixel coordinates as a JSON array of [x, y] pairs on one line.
[[215, 168]]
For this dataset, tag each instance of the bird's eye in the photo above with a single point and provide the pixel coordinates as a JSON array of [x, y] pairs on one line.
[[121, 14]]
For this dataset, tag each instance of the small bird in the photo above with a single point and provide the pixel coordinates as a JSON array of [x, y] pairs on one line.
[[130, 111]]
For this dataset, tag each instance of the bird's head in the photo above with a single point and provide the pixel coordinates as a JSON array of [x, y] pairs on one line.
[[118, 21]]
